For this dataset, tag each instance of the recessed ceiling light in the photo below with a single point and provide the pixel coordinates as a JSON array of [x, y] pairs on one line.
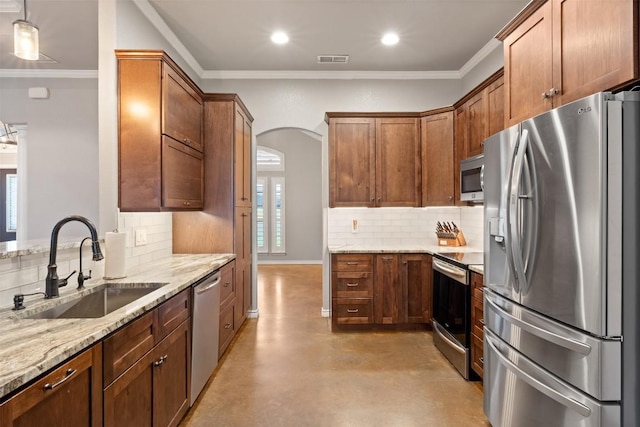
[[279, 37], [390, 39]]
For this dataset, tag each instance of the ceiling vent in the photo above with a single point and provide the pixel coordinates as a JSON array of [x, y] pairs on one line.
[[333, 59]]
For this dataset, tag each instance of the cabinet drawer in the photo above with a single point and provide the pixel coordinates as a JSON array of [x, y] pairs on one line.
[[227, 328], [477, 317], [352, 284], [122, 349], [352, 311], [227, 283], [478, 293], [476, 280], [477, 359], [352, 262], [172, 313]]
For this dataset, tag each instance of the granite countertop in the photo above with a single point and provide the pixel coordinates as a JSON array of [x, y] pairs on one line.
[[397, 248], [16, 248], [29, 347], [478, 268]]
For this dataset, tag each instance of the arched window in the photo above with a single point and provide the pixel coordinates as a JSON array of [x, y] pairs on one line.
[[270, 201]]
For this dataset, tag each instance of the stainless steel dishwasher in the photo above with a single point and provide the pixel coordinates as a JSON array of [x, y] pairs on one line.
[[204, 331]]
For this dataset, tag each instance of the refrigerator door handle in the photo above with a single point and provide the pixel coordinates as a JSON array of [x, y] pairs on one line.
[[513, 211], [583, 410], [568, 343]]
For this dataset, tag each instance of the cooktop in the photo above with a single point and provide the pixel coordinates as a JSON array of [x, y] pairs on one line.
[[465, 258]]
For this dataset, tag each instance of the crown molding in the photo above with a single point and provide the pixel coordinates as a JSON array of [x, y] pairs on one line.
[[492, 45], [331, 75], [48, 74], [156, 20]]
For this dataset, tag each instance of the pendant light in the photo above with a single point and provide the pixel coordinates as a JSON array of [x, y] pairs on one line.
[[25, 38]]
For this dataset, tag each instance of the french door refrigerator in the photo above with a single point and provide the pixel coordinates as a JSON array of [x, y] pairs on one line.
[[561, 344]]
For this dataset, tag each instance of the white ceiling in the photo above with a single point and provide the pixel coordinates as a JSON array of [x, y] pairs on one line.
[[435, 35]]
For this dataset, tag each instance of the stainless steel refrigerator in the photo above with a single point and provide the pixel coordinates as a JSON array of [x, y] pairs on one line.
[[561, 335]]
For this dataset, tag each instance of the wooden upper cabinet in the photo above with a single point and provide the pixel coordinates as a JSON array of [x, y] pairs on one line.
[[352, 162], [528, 67], [242, 141], [182, 109], [437, 159], [374, 161], [398, 162], [159, 135], [565, 50], [495, 106], [477, 123], [594, 46], [459, 149]]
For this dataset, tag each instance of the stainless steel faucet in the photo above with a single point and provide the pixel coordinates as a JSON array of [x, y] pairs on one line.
[[52, 282]]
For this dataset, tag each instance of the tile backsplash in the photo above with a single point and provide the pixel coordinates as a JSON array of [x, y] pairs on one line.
[[26, 274], [401, 226]]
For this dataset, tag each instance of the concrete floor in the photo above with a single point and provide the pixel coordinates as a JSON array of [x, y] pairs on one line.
[[288, 369]]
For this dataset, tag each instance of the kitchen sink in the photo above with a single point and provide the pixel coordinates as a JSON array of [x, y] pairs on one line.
[[103, 300]]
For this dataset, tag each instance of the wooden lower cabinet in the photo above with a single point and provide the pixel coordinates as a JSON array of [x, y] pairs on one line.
[[155, 390], [477, 323], [381, 289], [68, 396]]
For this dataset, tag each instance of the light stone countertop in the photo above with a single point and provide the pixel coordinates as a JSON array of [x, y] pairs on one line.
[[397, 248], [30, 347], [16, 248], [478, 268]]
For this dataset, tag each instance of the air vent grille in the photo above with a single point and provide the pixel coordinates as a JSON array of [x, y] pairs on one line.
[[333, 59]]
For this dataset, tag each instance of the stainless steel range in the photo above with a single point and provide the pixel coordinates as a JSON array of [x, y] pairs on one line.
[[452, 306]]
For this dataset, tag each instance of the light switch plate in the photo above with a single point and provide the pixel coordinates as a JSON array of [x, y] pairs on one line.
[[141, 237], [354, 226]]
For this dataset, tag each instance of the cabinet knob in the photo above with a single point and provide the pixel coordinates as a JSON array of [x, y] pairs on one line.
[[226, 285], [186, 140], [545, 95], [373, 199], [450, 197], [186, 203], [553, 91], [379, 198]]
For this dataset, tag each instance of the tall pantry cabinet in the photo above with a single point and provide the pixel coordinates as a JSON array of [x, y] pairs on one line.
[[224, 225]]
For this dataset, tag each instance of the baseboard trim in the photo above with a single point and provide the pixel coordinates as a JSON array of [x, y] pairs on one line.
[[325, 312], [275, 262], [253, 314]]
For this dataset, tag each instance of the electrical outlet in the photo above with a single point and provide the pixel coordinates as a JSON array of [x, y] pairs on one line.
[[354, 226], [141, 237]]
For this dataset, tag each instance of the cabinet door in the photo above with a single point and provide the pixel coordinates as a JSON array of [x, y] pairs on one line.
[[477, 125], [352, 162], [69, 396], [171, 376], [387, 298], [437, 160], [128, 401], [242, 143], [495, 105], [182, 110], [528, 67], [182, 176], [593, 46], [460, 149], [398, 162], [243, 263], [415, 276]]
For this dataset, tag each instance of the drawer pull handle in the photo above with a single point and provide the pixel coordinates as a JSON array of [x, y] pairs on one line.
[[160, 361], [352, 263], [67, 375], [482, 321], [352, 310], [482, 360], [227, 326], [352, 285], [226, 285]]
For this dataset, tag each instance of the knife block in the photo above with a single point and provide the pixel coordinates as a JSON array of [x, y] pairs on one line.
[[451, 239]]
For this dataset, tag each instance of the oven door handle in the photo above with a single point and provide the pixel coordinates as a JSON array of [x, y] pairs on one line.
[[445, 268]]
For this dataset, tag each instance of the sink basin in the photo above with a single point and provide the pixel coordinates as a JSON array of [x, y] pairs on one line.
[[103, 300]]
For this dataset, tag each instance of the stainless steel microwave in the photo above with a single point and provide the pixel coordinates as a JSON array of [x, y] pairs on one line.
[[471, 171]]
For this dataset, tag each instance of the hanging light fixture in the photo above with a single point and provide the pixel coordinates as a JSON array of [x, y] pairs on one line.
[[25, 38]]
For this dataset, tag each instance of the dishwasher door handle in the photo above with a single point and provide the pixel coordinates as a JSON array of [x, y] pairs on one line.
[[204, 287]]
